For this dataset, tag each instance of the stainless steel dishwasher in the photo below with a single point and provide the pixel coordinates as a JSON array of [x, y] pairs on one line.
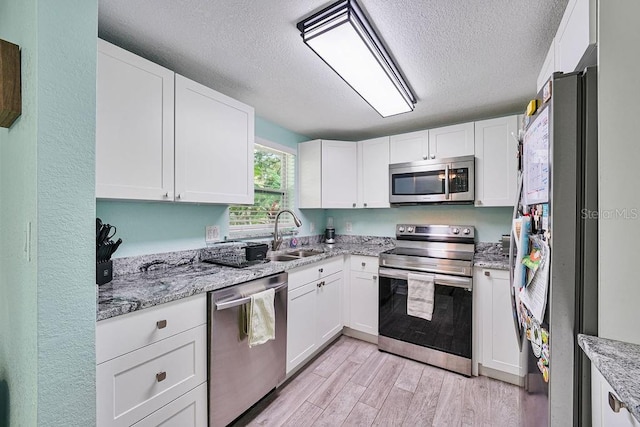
[[240, 375]]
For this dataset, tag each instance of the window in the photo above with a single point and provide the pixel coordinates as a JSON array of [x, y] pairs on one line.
[[274, 177]]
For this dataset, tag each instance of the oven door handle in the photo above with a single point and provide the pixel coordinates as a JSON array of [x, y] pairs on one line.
[[240, 301], [440, 279]]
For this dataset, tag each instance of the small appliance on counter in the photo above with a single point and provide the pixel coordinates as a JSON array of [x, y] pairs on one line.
[[256, 251], [330, 232], [105, 247]]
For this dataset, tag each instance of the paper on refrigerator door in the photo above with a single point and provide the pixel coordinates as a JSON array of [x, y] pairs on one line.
[[536, 160], [534, 296]]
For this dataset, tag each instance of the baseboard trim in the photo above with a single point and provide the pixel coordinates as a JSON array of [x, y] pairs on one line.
[[363, 336], [501, 376]]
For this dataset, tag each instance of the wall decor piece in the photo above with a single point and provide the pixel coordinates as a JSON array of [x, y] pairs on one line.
[[10, 91]]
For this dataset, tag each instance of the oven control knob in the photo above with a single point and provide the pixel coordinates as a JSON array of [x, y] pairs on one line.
[[466, 231], [409, 229], [455, 231], [401, 229]]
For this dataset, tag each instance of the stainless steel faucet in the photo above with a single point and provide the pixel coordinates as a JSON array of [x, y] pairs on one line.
[[278, 241]]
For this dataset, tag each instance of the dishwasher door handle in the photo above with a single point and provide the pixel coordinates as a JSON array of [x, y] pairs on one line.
[[240, 301]]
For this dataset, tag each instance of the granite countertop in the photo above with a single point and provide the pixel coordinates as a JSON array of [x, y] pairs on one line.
[[489, 255], [150, 280], [619, 364]]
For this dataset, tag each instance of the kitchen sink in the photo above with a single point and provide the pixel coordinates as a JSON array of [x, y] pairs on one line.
[[303, 253], [282, 257]]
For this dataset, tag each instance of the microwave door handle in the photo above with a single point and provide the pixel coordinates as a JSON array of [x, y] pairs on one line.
[[446, 182]]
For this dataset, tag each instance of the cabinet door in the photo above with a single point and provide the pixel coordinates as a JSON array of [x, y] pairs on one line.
[[500, 349], [602, 414], [364, 302], [451, 141], [301, 324], [189, 410], [339, 174], [548, 68], [329, 295], [576, 33], [496, 161], [409, 147], [373, 177], [134, 127], [214, 146], [310, 174]]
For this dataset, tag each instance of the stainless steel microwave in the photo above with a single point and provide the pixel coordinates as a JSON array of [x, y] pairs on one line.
[[447, 180]]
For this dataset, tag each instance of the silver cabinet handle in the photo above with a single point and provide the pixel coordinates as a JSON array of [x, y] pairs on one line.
[[615, 403], [161, 376], [320, 284], [321, 270], [179, 196], [487, 273], [375, 278], [364, 264], [425, 157], [433, 156], [354, 205], [166, 195], [161, 324], [365, 205]]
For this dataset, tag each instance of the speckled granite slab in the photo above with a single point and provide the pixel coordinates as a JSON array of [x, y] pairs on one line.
[[489, 255], [619, 364], [150, 280]]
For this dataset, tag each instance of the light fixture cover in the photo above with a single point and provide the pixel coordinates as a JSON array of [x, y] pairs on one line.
[[343, 38]]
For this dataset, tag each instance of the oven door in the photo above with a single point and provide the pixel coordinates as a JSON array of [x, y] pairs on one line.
[[449, 329]]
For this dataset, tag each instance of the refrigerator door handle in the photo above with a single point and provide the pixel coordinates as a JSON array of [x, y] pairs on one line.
[[512, 256]]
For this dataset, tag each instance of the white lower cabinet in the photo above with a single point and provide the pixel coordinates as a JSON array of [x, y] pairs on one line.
[[159, 362], [314, 309], [602, 413], [494, 331], [363, 294], [189, 410]]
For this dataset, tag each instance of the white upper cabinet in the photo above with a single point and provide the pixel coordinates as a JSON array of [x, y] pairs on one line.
[[451, 141], [157, 132], [548, 67], [134, 127], [310, 174], [409, 147], [373, 169], [339, 174], [214, 146], [576, 34], [496, 161]]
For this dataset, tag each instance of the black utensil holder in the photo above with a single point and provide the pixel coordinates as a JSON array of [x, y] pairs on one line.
[[104, 272]]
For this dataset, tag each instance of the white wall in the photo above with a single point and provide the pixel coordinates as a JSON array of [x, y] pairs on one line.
[[619, 156]]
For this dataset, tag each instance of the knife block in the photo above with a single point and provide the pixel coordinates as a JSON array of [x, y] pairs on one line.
[[104, 272]]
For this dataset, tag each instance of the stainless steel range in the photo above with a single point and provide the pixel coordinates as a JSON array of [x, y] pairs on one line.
[[429, 271]]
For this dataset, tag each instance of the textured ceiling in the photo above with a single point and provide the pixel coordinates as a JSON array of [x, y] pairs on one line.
[[464, 60]]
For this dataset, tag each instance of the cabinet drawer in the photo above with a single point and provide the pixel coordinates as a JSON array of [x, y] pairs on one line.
[[367, 264], [134, 385], [189, 410], [119, 335], [303, 275]]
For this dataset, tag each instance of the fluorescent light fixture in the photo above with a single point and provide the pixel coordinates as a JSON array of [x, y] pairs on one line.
[[343, 38]]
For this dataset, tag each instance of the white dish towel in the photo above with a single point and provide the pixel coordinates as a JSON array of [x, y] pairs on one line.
[[261, 322], [420, 295]]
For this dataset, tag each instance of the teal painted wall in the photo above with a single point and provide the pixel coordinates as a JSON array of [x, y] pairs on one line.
[[150, 227], [490, 223], [67, 50], [18, 207], [47, 295]]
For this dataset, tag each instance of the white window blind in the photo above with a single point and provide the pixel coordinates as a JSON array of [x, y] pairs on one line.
[[274, 177]]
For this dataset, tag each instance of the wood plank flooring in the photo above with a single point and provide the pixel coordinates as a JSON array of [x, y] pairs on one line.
[[353, 384]]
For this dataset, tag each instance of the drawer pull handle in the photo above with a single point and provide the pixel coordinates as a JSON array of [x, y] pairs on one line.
[[161, 324], [487, 273], [615, 403], [321, 284], [364, 264], [161, 376], [375, 278], [321, 270]]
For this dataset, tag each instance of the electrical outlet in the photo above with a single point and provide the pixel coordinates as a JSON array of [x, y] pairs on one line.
[[312, 227], [347, 227], [212, 234]]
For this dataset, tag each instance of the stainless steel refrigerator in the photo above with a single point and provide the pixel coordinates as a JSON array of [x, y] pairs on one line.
[[558, 197]]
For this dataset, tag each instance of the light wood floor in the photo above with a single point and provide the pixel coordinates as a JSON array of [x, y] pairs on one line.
[[354, 384]]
